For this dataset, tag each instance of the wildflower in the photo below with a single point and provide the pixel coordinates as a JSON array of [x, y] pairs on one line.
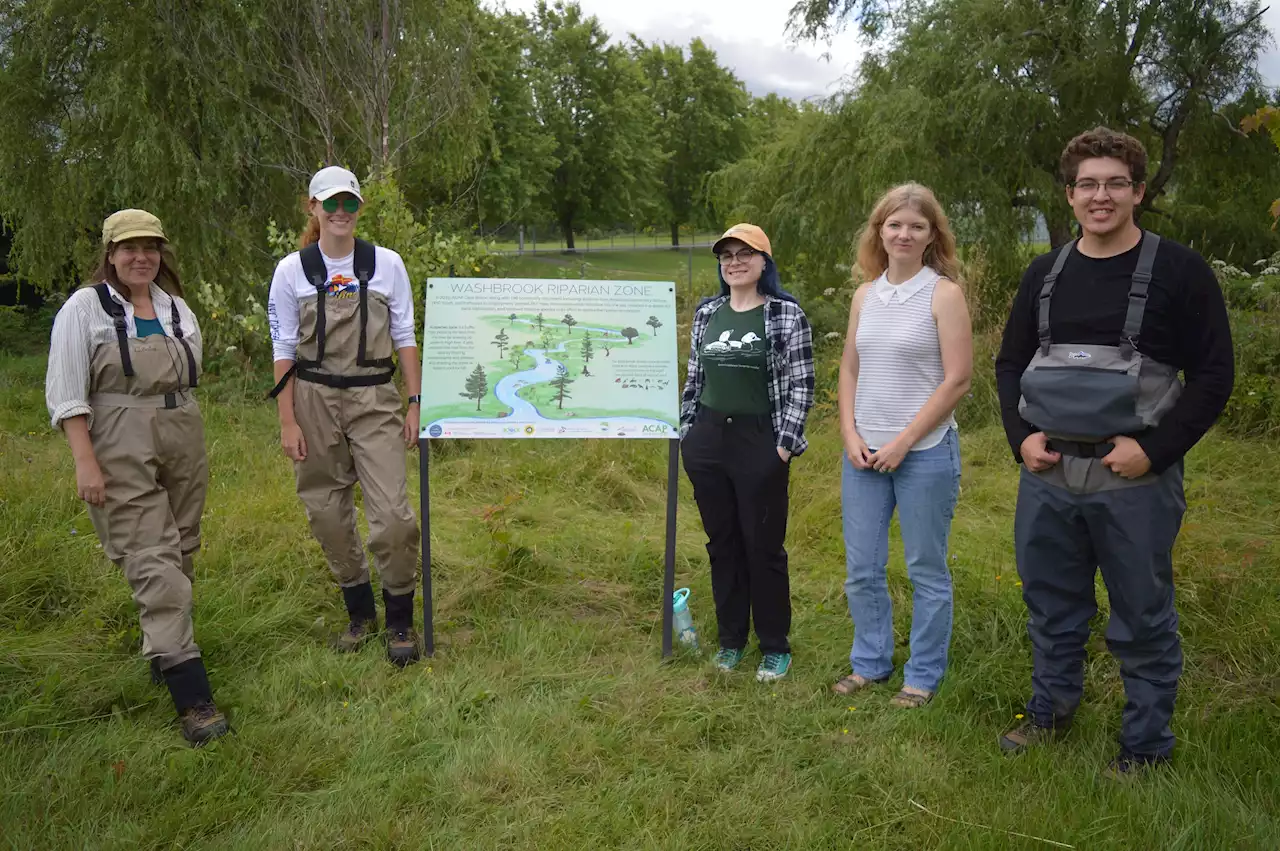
[[344, 704], [829, 291], [1018, 716], [851, 708], [832, 335], [1018, 584], [845, 731], [997, 577]]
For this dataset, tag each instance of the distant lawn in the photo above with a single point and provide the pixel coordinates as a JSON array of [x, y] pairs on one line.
[[615, 265], [555, 242]]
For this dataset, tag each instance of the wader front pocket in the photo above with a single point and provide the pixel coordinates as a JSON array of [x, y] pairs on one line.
[[1083, 402]]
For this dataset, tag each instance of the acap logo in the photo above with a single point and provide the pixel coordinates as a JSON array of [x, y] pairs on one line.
[[655, 429]]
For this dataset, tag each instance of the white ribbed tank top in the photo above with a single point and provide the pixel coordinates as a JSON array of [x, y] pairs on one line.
[[899, 360]]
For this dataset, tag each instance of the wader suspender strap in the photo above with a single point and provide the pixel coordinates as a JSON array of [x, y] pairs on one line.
[[1138, 294], [1046, 293], [176, 321], [366, 263], [317, 274], [116, 312]]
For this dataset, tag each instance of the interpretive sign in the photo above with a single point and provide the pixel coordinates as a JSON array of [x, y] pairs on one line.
[[518, 358]]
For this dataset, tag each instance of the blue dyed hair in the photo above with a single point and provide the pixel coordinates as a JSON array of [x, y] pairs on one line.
[[769, 283]]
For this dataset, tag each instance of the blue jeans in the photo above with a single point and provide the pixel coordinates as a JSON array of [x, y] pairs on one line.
[[924, 490]]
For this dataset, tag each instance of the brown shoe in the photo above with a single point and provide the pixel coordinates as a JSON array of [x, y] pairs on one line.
[[203, 723], [402, 647], [355, 635], [1029, 734]]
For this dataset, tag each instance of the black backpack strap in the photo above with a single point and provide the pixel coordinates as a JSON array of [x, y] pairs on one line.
[[366, 263], [116, 312], [1141, 282], [1046, 293], [175, 319]]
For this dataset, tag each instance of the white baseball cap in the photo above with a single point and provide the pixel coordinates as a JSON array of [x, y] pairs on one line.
[[332, 180]]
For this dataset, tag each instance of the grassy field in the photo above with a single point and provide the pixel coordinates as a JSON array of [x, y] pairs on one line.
[[546, 719]]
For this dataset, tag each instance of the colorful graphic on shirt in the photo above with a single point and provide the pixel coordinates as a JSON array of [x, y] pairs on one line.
[[340, 286], [726, 348]]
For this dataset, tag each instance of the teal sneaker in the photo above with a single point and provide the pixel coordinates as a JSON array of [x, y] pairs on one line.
[[728, 658], [773, 666]]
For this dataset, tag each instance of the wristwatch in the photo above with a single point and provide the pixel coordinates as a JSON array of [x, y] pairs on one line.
[[415, 400]]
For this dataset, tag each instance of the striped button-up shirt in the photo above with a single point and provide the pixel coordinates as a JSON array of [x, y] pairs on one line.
[[79, 328], [791, 372]]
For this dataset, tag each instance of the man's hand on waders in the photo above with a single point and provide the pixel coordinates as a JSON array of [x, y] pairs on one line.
[[1036, 453], [1127, 459]]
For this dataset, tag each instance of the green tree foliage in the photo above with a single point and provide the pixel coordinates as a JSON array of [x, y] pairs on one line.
[[701, 125], [977, 98], [655, 323], [590, 96], [213, 117], [630, 334], [569, 321], [477, 386]]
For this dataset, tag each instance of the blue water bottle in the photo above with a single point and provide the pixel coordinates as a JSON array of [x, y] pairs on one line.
[[682, 619]]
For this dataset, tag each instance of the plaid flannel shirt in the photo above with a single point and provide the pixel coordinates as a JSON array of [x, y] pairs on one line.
[[791, 373]]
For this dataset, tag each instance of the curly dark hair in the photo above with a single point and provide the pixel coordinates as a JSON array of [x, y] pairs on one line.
[[1104, 142]]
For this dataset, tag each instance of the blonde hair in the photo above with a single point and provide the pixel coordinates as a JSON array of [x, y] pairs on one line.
[[940, 255], [166, 278]]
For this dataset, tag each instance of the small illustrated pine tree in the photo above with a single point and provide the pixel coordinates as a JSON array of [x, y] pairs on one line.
[[561, 382], [587, 354], [477, 385], [655, 324], [570, 321], [538, 321], [503, 342]]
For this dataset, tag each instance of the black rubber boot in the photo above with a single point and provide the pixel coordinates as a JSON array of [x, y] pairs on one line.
[[193, 699], [363, 615], [402, 641]]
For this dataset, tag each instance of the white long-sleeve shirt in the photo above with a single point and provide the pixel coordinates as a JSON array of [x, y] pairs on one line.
[[290, 285], [79, 328]]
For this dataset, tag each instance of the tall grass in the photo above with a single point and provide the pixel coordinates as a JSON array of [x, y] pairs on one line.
[[546, 720]]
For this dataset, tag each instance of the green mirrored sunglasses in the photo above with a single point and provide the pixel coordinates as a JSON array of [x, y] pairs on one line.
[[349, 204]]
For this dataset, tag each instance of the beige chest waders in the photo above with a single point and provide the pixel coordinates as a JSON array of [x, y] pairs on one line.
[[349, 414], [149, 441]]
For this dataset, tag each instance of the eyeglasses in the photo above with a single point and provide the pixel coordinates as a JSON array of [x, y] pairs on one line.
[[349, 205], [727, 257], [1090, 187]]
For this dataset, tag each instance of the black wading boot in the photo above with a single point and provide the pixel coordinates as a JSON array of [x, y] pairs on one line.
[[363, 615], [192, 698], [402, 641]]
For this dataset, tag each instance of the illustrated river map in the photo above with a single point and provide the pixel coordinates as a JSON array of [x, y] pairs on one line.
[[517, 358]]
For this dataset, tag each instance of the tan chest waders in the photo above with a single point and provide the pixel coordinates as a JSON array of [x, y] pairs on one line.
[[349, 414], [148, 437]]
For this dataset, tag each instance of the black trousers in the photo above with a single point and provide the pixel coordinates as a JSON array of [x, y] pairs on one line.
[[1062, 539], [740, 485]]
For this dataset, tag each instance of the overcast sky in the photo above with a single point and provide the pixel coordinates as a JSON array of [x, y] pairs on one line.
[[749, 36]]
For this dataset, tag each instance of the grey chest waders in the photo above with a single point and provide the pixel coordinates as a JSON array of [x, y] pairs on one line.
[[1080, 395]]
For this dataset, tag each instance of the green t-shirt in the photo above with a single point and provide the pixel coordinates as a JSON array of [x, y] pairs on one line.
[[735, 360], [147, 327]]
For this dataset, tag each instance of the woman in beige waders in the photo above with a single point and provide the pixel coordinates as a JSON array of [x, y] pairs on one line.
[[123, 358], [337, 310]]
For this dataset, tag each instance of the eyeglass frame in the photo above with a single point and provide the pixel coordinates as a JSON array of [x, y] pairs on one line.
[[1129, 184], [744, 255]]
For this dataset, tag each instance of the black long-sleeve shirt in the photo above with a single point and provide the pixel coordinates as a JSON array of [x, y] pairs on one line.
[[1185, 326]]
